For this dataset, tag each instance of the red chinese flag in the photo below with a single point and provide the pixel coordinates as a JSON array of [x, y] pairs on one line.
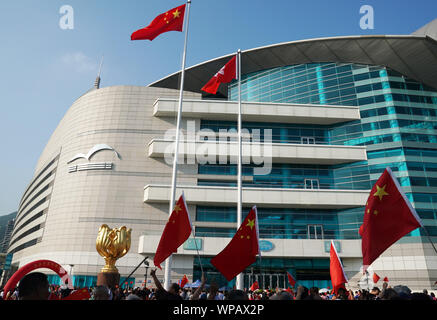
[[81, 294], [291, 279], [385, 279], [388, 217], [176, 232], [254, 286], [184, 281], [225, 75], [375, 278], [172, 20], [241, 252], [338, 277]]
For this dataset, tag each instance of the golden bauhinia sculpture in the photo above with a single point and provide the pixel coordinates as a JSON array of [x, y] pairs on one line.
[[112, 244]]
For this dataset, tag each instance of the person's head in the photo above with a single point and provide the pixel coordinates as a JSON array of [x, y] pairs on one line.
[[284, 295], [375, 291], [237, 295], [302, 293], [174, 288], [432, 294], [425, 291], [101, 293], [314, 291], [420, 296], [34, 286], [133, 297], [390, 294]]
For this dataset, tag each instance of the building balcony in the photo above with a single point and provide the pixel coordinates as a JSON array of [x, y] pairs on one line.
[[253, 111], [301, 248], [277, 152], [261, 197]]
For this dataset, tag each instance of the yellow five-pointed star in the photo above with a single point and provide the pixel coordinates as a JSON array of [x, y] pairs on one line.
[[250, 223], [380, 192], [176, 14], [177, 208]]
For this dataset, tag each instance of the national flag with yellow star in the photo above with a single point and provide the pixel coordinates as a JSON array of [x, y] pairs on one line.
[[172, 20], [388, 217], [241, 252], [176, 232]]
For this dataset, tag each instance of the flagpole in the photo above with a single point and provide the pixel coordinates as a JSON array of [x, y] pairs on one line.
[[429, 238], [167, 274], [240, 279]]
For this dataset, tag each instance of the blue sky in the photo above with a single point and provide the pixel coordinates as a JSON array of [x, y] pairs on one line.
[[44, 69]]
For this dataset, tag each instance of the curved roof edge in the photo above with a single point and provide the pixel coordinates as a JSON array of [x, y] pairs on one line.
[[414, 56], [430, 29]]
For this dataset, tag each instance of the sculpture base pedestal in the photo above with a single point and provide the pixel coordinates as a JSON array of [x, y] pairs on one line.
[[111, 280]]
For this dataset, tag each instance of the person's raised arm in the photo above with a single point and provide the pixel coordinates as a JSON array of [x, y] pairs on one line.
[[155, 279], [196, 293], [384, 287]]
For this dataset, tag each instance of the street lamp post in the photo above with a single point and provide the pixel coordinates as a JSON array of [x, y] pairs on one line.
[[146, 264], [71, 274]]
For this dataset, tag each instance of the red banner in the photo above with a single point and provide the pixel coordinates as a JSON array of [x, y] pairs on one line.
[[39, 264]]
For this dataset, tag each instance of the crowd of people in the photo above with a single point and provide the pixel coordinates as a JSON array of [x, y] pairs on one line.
[[35, 286]]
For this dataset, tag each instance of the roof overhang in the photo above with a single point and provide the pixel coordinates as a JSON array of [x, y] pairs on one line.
[[414, 56]]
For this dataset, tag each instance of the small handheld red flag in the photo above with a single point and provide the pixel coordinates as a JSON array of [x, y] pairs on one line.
[[254, 286], [385, 279], [291, 279], [388, 217], [375, 278], [338, 277], [241, 252], [225, 75], [176, 232], [172, 20], [184, 281]]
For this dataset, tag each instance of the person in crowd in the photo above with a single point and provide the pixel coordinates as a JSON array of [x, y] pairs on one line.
[[101, 293], [282, 295], [199, 294], [161, 293], [302, 293], [237, 295], [314, 294], [34, 286]]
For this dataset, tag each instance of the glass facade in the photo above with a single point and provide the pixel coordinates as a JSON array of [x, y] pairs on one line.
[[398, 124], [80, 281], [281, 223], [271, 273]]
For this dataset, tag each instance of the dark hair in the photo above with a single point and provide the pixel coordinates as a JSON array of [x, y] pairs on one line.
[[420, 296], [31, 283], [390, 294], [175, 287], [314, 290], [237, 295]]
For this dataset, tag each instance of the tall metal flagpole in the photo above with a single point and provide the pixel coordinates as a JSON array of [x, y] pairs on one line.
[[240, 279], [167, 274]]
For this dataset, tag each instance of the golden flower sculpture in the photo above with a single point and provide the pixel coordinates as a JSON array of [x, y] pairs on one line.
[[112, 244]]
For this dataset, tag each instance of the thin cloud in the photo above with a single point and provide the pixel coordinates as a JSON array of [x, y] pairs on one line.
[[79, 61]]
